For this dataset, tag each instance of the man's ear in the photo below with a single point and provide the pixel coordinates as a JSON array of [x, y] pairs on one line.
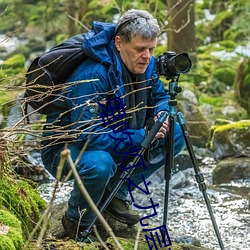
[[118, 43]]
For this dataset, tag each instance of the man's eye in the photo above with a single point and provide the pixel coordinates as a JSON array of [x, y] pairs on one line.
[[139, 50]]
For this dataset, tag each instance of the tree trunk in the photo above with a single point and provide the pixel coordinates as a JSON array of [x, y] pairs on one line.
[[181, 29], [83, 7], [71, 6]]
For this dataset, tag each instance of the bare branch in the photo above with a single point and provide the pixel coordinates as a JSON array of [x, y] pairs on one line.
[[77, 21], [66, 154]]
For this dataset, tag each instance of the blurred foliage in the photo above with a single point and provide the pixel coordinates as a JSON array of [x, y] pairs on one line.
[[221, 27], [242, 84]]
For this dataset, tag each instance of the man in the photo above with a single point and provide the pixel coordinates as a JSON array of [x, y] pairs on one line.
[[122, 73]]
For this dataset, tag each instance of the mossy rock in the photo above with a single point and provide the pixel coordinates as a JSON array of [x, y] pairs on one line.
[[225, 75], [231, 169], [21, 199], [231, 139], [11, 237], [219, 107]]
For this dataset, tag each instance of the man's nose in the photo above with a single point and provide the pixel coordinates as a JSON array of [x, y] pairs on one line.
[[146, 54]]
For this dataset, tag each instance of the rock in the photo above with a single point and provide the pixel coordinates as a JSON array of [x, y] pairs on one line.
[[232, 139], [181, 179], [231, 169], [228, 110], [55, 226], [190, 96], [126, 234], [197, 125]]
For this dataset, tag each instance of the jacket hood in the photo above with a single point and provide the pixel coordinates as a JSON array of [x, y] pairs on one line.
[[98, 43]]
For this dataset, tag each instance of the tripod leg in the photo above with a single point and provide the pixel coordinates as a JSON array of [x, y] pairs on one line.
[[168, 165], [199, 176]]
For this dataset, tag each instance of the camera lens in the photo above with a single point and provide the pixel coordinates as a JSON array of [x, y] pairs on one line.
[[182, 63]]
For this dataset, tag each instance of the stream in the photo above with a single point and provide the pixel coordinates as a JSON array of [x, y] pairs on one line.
[[188, 217]]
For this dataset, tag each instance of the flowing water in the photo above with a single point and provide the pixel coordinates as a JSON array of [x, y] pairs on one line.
[[188, 216]]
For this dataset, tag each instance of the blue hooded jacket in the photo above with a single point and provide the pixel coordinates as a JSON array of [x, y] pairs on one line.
[[87, 86]]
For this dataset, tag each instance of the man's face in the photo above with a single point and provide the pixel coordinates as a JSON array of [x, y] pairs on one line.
[[137, 53]]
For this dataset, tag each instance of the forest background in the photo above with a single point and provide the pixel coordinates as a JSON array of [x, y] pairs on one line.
[[214, 33]]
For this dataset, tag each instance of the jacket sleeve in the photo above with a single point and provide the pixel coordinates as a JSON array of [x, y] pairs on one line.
[[86, 114]]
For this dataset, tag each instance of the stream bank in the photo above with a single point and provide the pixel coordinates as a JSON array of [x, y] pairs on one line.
[[188, 217]]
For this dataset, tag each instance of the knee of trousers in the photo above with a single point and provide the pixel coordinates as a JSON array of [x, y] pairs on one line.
[[98, 165]]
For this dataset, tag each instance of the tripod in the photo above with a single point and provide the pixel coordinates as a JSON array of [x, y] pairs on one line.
[[173, 90]]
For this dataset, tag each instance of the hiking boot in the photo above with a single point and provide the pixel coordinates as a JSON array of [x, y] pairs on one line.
[[121, 211], [75, 231]]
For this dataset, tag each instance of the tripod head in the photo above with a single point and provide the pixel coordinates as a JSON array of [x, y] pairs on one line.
[[174, 89]]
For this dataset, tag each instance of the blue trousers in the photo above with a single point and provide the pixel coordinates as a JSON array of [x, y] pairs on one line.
[[100, 170]]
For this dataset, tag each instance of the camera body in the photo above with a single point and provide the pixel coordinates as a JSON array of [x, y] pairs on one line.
[[171, 65]]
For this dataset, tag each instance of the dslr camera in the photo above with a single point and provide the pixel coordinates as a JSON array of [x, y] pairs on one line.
[[171, 65]]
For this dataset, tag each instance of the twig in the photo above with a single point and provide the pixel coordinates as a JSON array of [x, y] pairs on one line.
[[66, 154], [45, 217], [99, 238], [137, 237], [77, 21]]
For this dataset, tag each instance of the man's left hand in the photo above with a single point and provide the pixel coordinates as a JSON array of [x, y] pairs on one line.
[[164, 128]]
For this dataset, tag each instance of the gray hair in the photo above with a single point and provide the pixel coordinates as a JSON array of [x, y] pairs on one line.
[[137, 22]]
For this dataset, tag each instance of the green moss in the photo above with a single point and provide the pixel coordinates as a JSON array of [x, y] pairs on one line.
[[228, 45], [22, 200], [6, 96], [9, 219], [235, 125], [242, 84], [239, 128], [125, 243], [92, 246], [16, 61], [13, 71], [16, 237], [61, 38], [13, 239], [212, 100], [219, 102], [6, 243], [225, 75]]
